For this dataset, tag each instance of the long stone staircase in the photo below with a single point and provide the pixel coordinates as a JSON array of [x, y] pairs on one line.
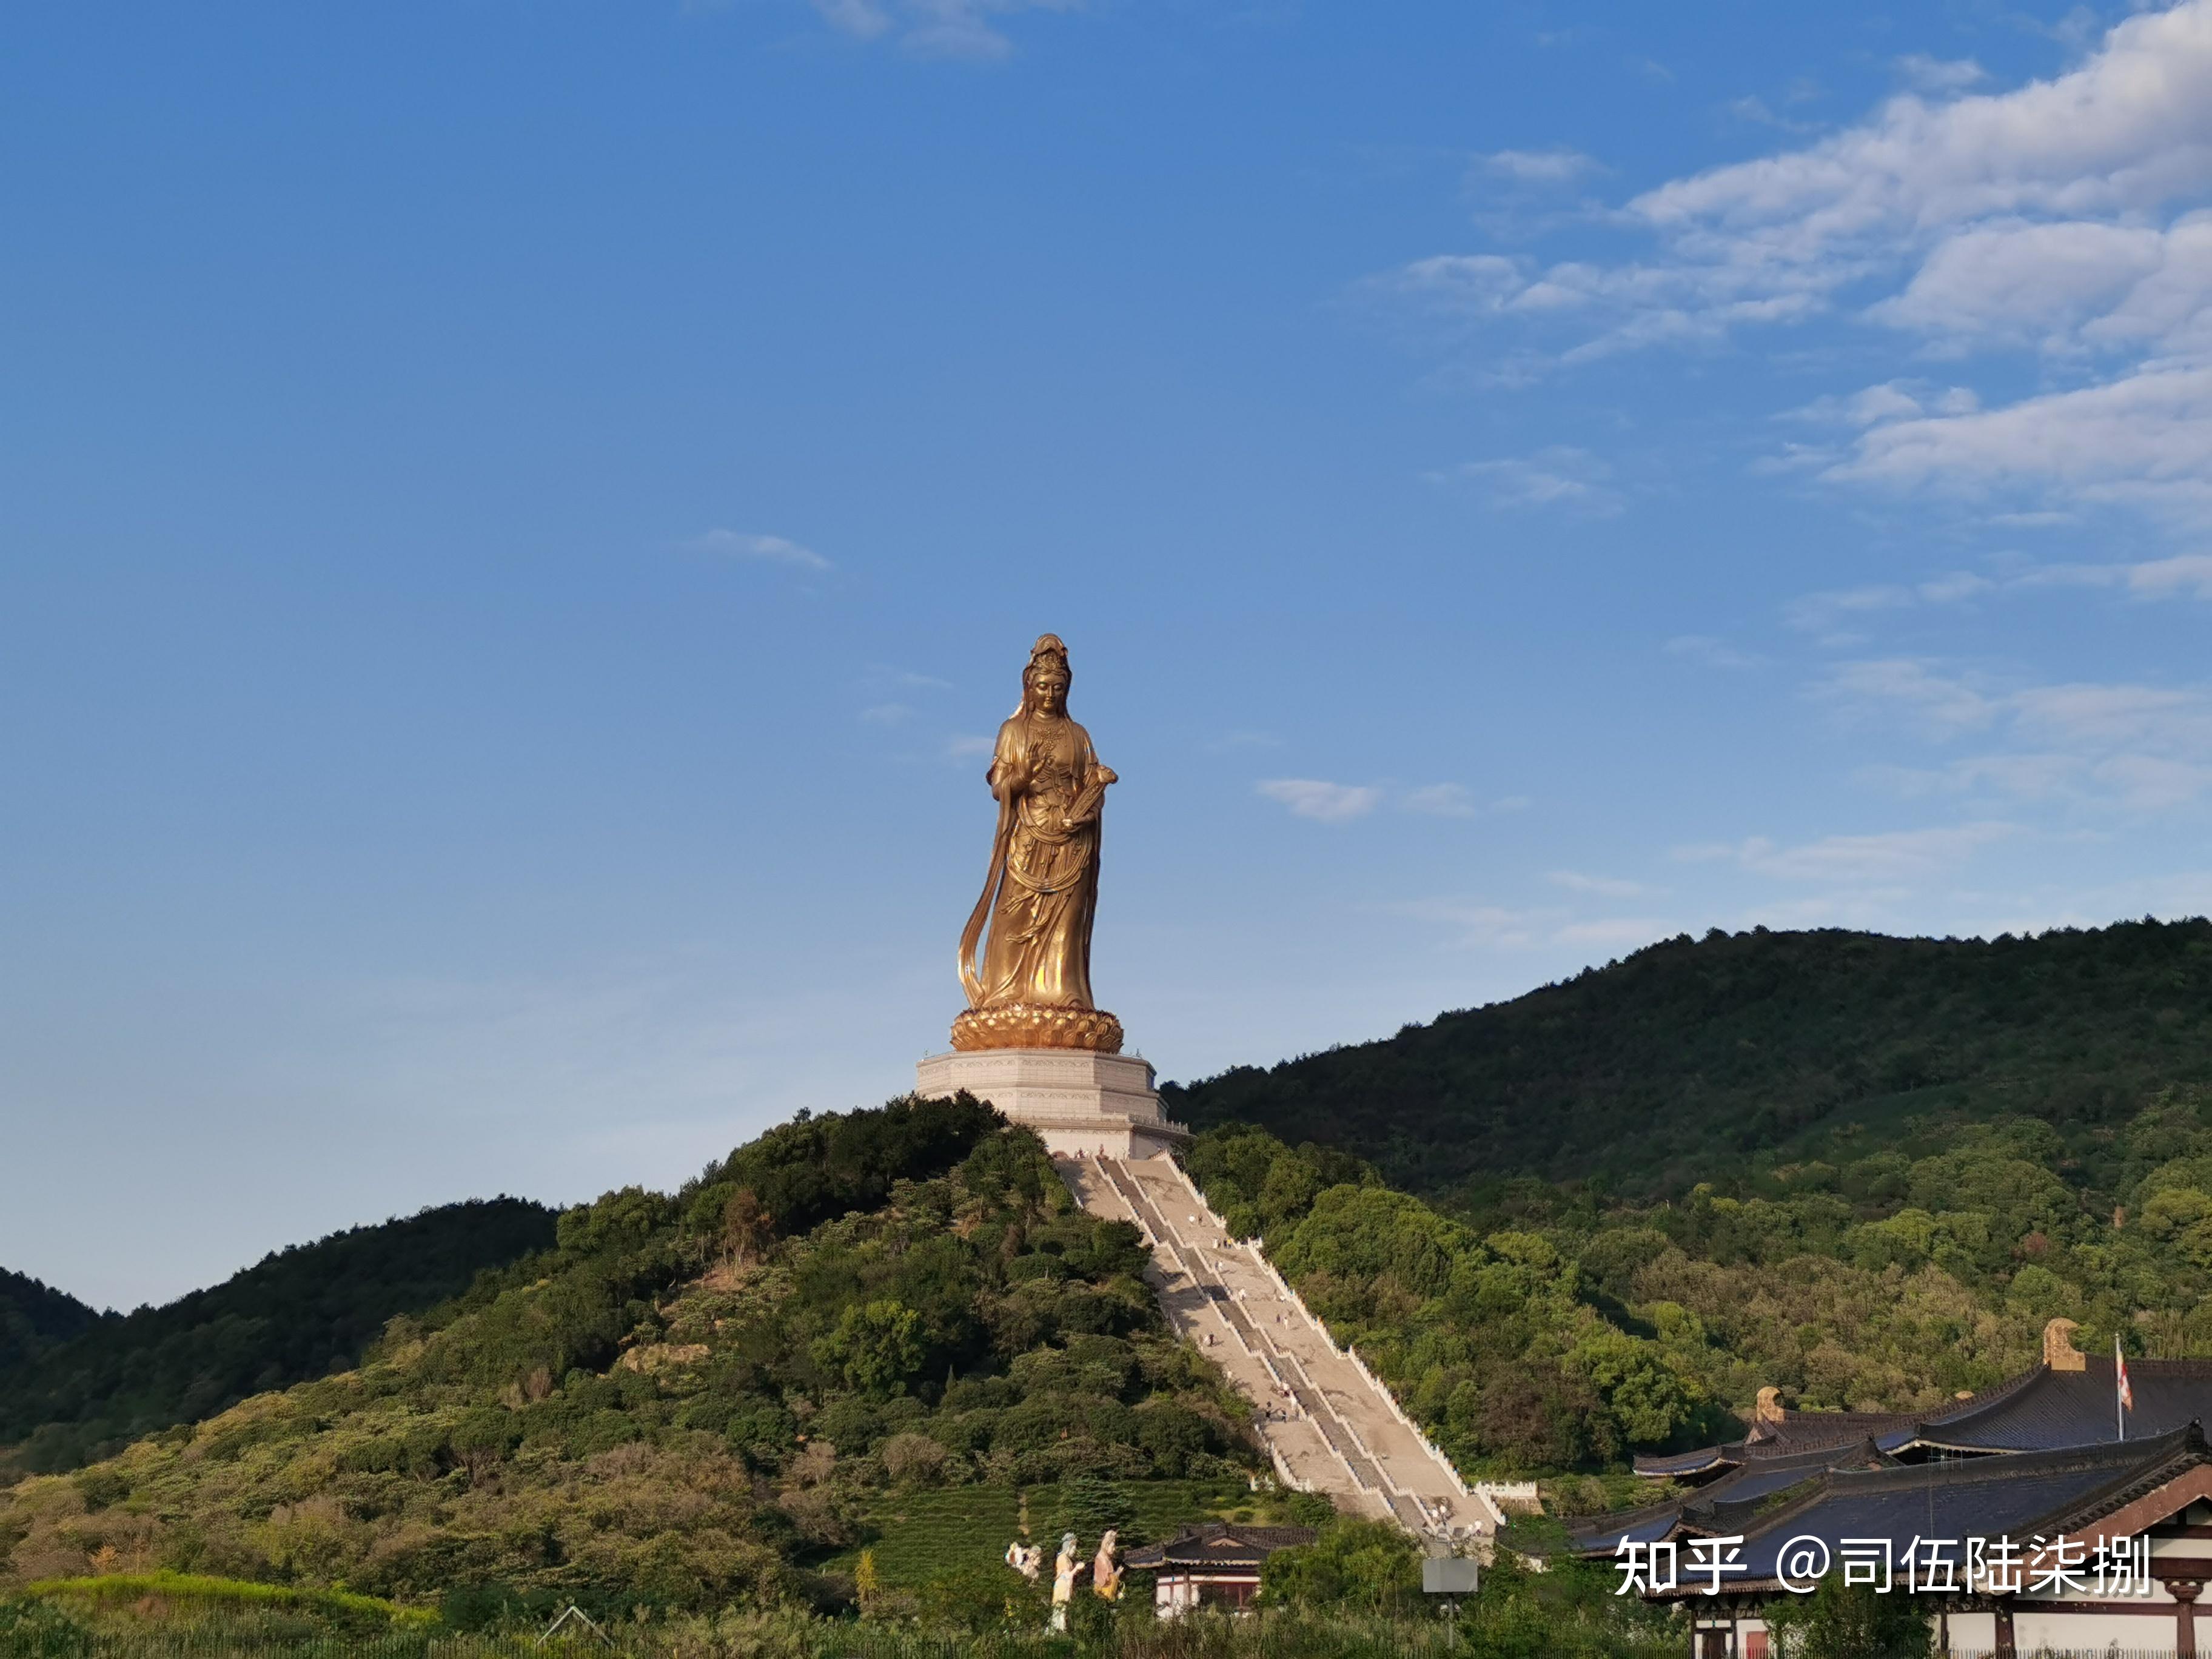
[[1328, 1424]]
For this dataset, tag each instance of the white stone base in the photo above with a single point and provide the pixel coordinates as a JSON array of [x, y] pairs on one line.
[[1076, 1102]]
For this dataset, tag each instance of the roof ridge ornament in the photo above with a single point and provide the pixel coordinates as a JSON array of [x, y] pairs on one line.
[[2059, 1353], [1768, 1413]]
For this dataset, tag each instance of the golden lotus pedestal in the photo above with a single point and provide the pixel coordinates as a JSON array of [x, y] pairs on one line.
[[1081, 1101], [1026, 1025]]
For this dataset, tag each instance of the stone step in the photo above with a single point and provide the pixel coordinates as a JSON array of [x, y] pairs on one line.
[[1330, 1424]]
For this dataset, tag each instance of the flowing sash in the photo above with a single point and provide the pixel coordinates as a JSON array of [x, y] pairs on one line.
[[970, 981]]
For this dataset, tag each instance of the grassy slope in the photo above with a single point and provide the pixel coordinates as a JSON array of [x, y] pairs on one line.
[[682, 1405], [1681, 1061], [300, 1313]]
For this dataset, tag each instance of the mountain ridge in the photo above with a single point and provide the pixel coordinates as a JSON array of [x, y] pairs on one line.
[[297, 1313], [1689, 1056]]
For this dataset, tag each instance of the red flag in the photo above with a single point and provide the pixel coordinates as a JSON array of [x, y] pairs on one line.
[[2120, 1374]]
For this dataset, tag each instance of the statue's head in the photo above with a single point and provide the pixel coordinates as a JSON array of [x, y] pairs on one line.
[[1046, 680], [1067, 1545]]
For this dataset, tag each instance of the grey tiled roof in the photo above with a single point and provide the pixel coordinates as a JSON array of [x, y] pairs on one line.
[[2039, 1410], [2047, 1409], [1219, 1544], [2014, 1497], [1748, 1483], [2017, 1497]]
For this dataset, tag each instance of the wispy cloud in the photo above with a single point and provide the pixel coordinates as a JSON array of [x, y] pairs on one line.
[[773, 549], [1612, 887], [1473, 925], [2131, 747], [1340, 803], [1323, 802], [1894, 855], [935, 28], [1926, 73], [2066, 217], [1712, 652], [1442, 801], [1561, 477], [1822, 613], [1537, 168], [1232, 740]]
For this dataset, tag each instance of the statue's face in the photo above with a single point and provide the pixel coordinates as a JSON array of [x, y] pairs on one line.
[[1051, 692]]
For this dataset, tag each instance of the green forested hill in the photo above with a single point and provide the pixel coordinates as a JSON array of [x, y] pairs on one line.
[[298, 1314], [890, 1320], [1540, 1328], [1681, 1061], [35, 1318]]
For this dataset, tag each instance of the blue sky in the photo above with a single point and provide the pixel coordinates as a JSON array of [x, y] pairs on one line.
[[518, 519]]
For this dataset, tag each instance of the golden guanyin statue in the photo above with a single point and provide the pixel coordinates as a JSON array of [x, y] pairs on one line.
[[1031, 986]]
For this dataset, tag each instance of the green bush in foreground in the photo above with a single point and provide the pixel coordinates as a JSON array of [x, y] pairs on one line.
[[1509, 1628]]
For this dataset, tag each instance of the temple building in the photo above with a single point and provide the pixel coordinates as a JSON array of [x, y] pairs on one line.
[[1214, 1565], [2113, 1536]]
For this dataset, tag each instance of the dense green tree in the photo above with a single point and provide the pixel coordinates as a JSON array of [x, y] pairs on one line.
[[1855, 1623], [1353, 1565], [34, 1319], [1685, 1059], [633, 1418], [301, 1313]]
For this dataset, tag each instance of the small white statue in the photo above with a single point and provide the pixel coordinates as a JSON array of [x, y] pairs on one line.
[[1027, 1560], [1063, 1581]]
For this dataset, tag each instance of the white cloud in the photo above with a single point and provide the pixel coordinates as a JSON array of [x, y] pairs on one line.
[[1574, 882], [887, 713], [967, 745], [776, 550], [1756, 109], [1894, 855], [2021, 777], [1821, 613], [2021, 282], [1442, 801], [1614, 932], [1538, 167], [1926, 74], [2136, 748], [1495, 926], [934, 29], [1953, 586], [2066, 216], [863, 20], [1561, 477], [1229, 740], [2127, 131], [1712, 652], [1483, 924], [2143, 440], [1323, 802]]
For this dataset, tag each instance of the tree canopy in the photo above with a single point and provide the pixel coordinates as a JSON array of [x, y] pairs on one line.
[[1685, 1060]]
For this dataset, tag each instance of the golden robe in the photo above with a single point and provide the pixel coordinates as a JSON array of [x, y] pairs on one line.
[[1042, 890]]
